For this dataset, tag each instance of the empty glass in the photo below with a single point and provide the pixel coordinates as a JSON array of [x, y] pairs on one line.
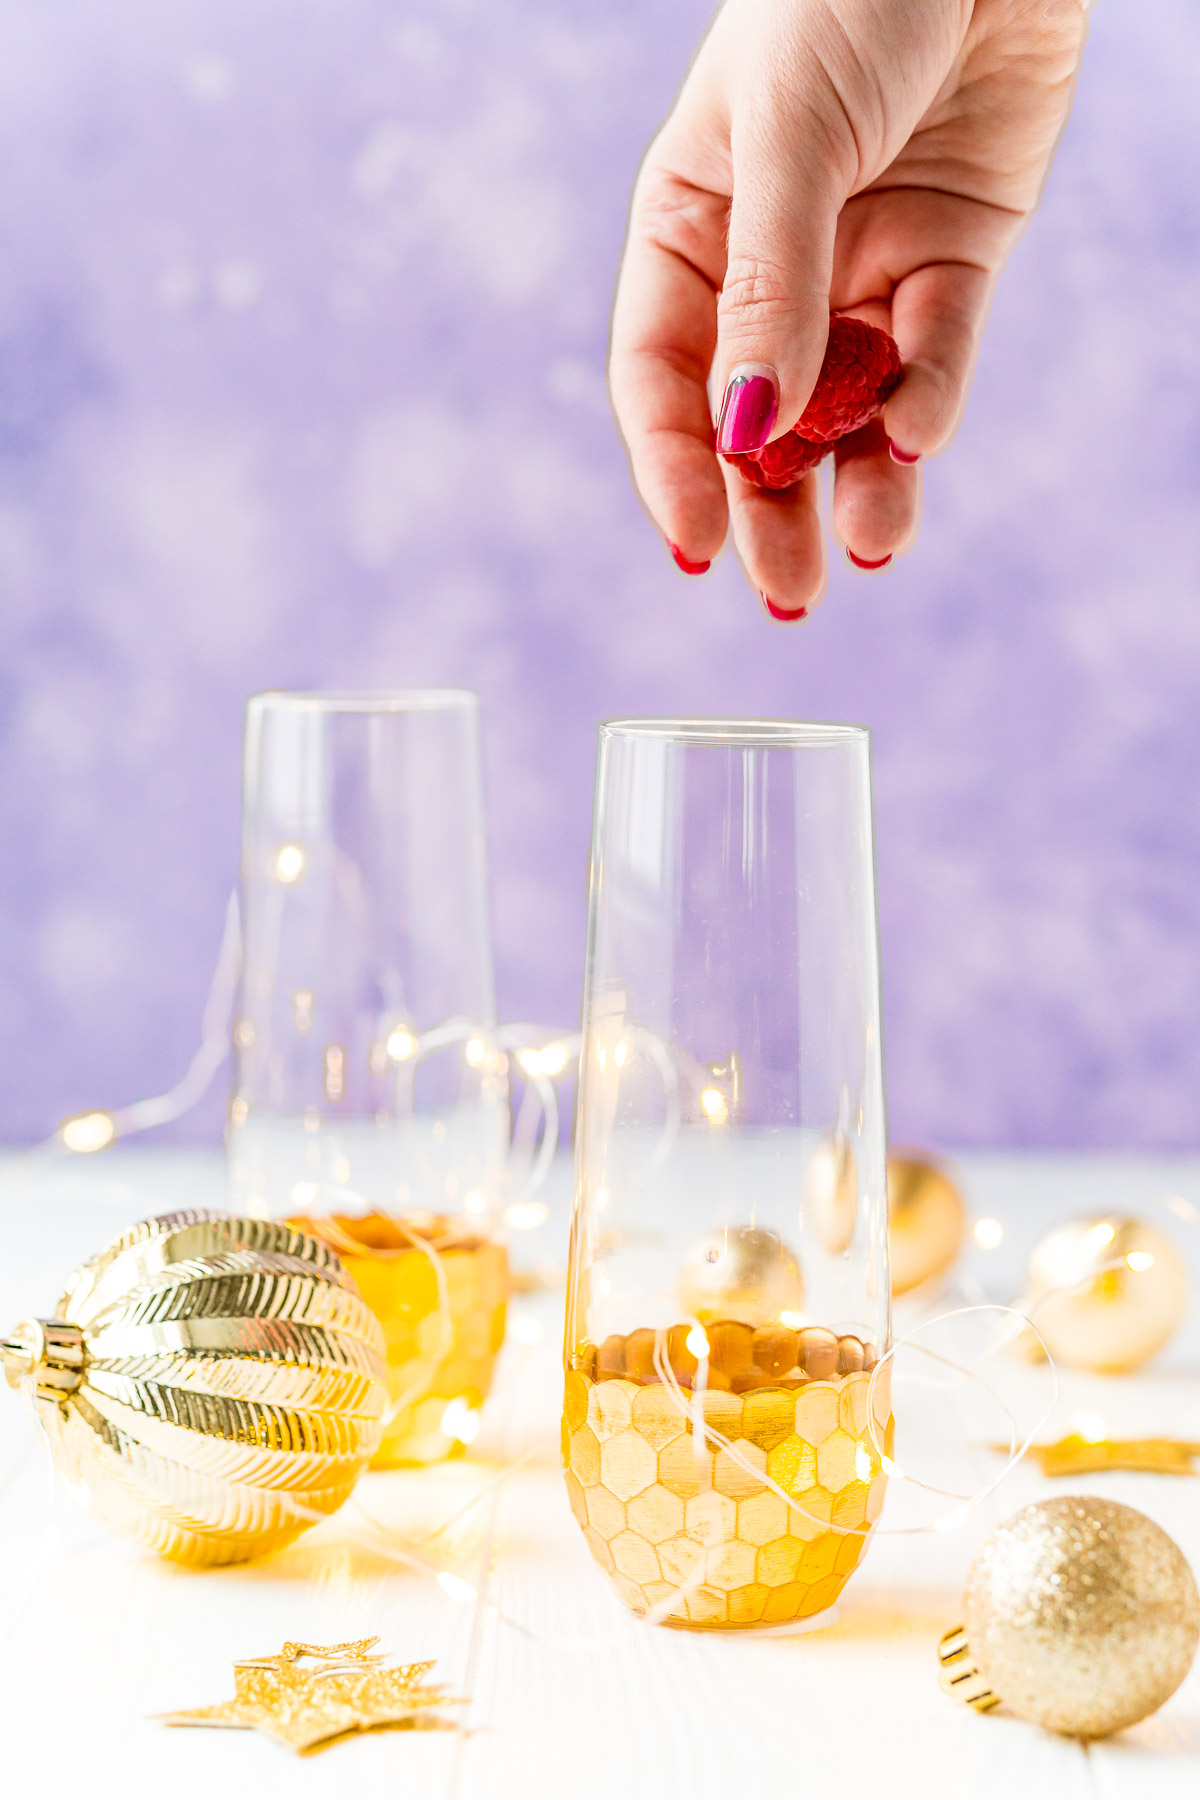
[[370, 1100], [723, 1435]]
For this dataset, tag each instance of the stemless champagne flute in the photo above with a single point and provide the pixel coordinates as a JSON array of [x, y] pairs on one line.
[[370, 1101], [723, 1435]]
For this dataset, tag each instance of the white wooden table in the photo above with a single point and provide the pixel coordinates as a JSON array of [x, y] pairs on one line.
[[567, 1693]]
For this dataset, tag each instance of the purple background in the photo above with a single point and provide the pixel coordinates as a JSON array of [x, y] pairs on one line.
[[302, 317]]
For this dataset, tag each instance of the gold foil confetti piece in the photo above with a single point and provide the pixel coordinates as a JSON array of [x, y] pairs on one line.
[[1076, 1455], [305, 1708]]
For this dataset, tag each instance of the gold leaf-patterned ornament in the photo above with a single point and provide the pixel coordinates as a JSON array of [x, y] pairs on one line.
[[210, 1385], [311, 1694]]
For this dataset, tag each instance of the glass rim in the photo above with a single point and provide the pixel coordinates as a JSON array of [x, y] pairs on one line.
[[799, 733], [366, 700]]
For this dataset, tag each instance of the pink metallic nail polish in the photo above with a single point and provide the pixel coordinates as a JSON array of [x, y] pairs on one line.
[[748, 410], [685, 563], [781, 615], [860, 562], [903, 457]]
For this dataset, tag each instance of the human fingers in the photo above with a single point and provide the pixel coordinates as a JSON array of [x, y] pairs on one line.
[[938, 314], [663, 338], [876, 501], [792, 170], [780, 544]]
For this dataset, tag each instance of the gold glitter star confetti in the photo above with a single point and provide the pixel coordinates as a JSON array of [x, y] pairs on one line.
[[311, 1694], [1080, 1455]]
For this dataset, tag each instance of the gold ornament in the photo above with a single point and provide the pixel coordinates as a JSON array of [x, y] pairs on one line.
[[1106, 1293], [1077, 1455], [742, 1273], [926, 1220], [1081, 1615], [308, 1708], [831, 1195], [211, 1385]]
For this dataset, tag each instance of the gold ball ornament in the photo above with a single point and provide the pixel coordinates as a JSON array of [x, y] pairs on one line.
[[741, 1273], [927, 1220], [209, 1385], [1080, 1614], [1106, 1293], [831, 1195]]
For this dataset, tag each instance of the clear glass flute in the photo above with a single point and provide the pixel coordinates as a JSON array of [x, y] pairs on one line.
[[723, 1434], [370, 1101]]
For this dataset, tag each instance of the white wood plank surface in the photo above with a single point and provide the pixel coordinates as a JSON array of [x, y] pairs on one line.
[[568, 1694]]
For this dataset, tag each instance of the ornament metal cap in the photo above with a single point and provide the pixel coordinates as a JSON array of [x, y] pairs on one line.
[[960, 1675], [50, 1352]]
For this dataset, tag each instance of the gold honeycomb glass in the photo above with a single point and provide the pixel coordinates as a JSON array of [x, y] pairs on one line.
[[371, 1102], [441, 1345], [725, 1422]]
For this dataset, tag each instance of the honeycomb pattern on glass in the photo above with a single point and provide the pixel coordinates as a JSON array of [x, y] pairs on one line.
[[656, 1514], [399, 1284]]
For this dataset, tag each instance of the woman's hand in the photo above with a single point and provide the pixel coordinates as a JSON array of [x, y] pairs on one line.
[[872, 156]]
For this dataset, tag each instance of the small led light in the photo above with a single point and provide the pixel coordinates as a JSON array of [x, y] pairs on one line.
[[401, 1044], [891, 1469], [257, 1208], [620, 1053], [475, 1202], [952, 1520], [716, 1107], [1090, 1427], [1140, 1260], [291, 861], [527, 1215], [697, 1341], [523, 1328], [1100, 1237], [988, 1233], [85, 1133], [304, 1193], [863, 1467], [476, 1052], [793, 1320], [460, 1421], [239, 1110], [455, 1586]]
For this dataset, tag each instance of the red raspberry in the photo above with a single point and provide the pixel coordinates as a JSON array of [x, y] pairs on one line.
[[861, 367], [781, 464]]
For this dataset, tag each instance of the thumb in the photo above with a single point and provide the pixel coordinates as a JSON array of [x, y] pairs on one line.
[[789, 183]]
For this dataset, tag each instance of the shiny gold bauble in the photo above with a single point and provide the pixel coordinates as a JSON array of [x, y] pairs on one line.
[[1082, 1615], [1106, 1293], [209, 1385], [926, 1220], [831, 1195], [741, 1273]]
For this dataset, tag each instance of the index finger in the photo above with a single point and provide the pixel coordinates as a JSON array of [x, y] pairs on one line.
[[664, 336]]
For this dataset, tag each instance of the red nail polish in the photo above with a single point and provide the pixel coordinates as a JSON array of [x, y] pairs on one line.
[[782, 615], [904, 457], [684, 563], [748, 411], [860, 562]]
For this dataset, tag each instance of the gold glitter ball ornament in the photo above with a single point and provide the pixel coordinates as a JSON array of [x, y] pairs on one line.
[[741, 1273], [1080, 1615], [927, 1220], [209, 1385], [1106, 1293]]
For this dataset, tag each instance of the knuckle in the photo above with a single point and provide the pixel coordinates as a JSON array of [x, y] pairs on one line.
[[759, 290]]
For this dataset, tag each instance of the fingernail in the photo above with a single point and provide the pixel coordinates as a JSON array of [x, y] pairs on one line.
[[748, 410], [782, 615], [860, 562], [684, 563], [903, 456]]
